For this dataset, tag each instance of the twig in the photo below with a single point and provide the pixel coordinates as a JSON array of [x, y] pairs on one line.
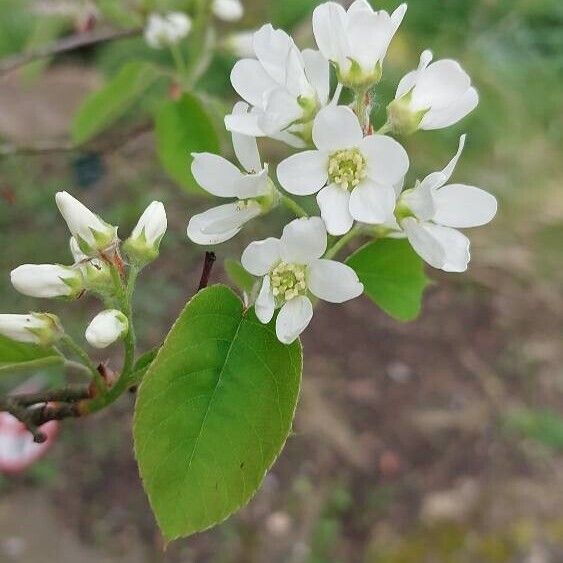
[[64, 45], [206, 272]]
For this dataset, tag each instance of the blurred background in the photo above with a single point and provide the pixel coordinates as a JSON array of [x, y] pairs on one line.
[[437, 441]]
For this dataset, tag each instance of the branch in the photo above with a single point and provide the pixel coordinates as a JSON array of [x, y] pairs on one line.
[[65, 45], [206, 272]]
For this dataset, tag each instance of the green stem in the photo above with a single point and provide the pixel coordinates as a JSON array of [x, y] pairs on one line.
[[293, 206], [361, 108], [179, 62], [85, 361], [342, 242]]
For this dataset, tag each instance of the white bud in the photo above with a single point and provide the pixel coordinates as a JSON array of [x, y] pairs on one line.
[[143, 244], [107, 327], [166, 30], [47, 280], [77, 254], [240, 44], [228, 10], [91, 233], [36, 328]]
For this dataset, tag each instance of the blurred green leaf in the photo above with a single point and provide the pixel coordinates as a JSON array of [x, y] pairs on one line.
[[288, 13], [103, 107], [213, 412], [18, 357], [393, 276], [239, 276], [183, 127], [542, 425]]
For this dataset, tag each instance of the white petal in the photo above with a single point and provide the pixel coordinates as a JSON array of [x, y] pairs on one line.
[[251, 82], [424, 244], [372, 203], [336, 127], [205, 228], [333, 281], [409, 80], [398, 15], [293, 319], [369, 35], [280, 111], [387, 160], [329, 27], [438, 179], [317, 70], [215, 174], [436, 119], [245, 124], [265, 302], [259, 257], [253, 185], [463, 206], [421, 201], [303, 240], [334, 203], [454, 244], [304, 173], [245, 146]]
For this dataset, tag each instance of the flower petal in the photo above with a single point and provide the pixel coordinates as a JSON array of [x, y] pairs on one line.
[[251, 82], [369, 35], [259, 257], [329, 28], [245, 146], [199, 224], [455, 245], [304, 173], [303, 240], [245, 124], [280, 111], [438, 118], [424, 244], [438, 179], [253, 185], [408, 81], [372, 203], [317, 70], [334, 203], [333, 281], [265, 302], [387, 160], [215, 174], [463, 206], [230, 216], [336, 127], [293, 319]]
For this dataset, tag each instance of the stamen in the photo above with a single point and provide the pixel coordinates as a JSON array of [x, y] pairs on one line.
[[288, 281], [347, 168]]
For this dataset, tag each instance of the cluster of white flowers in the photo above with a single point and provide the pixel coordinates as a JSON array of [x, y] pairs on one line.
[[357, 173], [94, 245]]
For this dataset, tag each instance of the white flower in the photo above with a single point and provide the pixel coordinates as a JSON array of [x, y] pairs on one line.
[[166, 30], [285, 86], [47, 280], [431, 212], [252, 188], [91, 233], [228, 10], [291, 267], [240, 44], [143, 244], [106, 328], [360, 173], [36, 328], [356, 41], [432, 97]]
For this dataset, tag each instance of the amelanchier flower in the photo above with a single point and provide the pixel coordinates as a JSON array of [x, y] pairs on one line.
[[96, 273], [251, 186], [143, 244], [91, 233], [357, 176], [356, 41], [434, 96], [106, 327], [228, 10], [167, 29], [47, 280], [285, 87], [431, 212], [36, 328], [291, 268]]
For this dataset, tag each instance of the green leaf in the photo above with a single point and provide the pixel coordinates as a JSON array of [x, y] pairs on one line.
[[393, 276], [288, 13], [239, 276], [213, 412], [541, 425], [183, 127], [17, 357], [103, 107]]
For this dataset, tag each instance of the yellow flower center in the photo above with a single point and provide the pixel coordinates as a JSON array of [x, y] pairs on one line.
[[288, 281], [347, 168]]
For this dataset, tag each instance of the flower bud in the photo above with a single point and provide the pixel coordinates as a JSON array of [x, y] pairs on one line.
[[91, 233], [166, 30], [228, 10], [402, 119], [36, 328], [240, 44], [47, 280], [107, 327], [143, 244]]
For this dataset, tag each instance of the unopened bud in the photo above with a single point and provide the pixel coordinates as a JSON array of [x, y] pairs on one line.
[[228, 10], [107, 327], [401, 118], [96, 273], [166, 30], [36, 328], [143, 244], [47, 280]]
